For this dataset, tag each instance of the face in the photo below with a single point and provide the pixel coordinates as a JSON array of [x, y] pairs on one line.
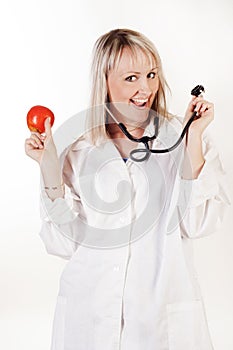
[[132, 86]]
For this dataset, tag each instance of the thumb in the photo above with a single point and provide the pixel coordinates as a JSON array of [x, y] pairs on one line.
[[191, 105], [47, 126]]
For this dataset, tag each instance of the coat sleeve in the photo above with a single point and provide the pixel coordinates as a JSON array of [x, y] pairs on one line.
[[55, 214], [203, 201]]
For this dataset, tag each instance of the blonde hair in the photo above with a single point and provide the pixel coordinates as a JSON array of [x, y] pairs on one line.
[[106, 54]]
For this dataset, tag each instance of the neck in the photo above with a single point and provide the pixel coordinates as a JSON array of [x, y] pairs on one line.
[[136, 129], [115, 132]]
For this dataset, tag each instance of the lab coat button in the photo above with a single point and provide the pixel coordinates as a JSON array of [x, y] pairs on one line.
[[116, 268]]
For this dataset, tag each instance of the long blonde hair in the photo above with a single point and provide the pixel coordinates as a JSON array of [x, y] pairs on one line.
[[106, 54]]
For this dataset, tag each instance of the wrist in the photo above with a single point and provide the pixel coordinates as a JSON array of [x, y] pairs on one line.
[[55, 191], [195, 132], [193, 137]]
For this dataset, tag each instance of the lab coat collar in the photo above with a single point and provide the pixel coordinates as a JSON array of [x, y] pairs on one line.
[[83, 142], [169, 130]]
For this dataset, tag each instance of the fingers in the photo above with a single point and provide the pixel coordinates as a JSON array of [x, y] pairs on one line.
[[36, 140], [47, 126], [37, 144], [200, 105], [203, 106], [193, 102]]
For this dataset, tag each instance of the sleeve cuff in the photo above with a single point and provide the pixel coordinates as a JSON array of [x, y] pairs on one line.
[[59, 211], [194, 192]]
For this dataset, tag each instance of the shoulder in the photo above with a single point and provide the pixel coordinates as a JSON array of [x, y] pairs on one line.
[[209, 147], [75, 153], [80, 145], [175, 121], [170, 127]]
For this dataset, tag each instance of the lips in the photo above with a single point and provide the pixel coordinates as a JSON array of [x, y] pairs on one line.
[[139, 102]]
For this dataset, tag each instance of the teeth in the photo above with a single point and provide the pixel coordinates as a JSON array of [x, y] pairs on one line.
[[139, 101]]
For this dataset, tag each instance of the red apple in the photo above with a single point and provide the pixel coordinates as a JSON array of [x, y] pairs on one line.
[[36, 117]]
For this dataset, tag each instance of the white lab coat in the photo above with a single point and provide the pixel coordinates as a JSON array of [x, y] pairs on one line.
[[130, 282]]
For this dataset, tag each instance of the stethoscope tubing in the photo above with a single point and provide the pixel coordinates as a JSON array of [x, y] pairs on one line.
[[148, 151], [146, 139]]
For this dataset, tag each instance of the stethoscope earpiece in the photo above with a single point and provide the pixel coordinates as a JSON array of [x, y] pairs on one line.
[[197, 90]]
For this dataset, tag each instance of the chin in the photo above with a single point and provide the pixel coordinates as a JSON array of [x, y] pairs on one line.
[[138, 114], [130, 113]]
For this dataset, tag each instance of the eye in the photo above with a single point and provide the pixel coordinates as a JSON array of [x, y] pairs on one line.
[[131, 78], [151, 75]]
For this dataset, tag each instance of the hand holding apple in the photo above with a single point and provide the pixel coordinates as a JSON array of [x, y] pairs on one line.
[[40, 144], [41, 147]]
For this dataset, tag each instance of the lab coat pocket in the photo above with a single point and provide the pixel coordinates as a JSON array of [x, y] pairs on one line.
[[59, 324], [187, 326]]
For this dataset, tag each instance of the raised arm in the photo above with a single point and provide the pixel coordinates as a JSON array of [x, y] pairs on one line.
[[42, 149]]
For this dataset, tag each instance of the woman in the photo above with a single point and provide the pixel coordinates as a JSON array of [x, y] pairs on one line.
[[127, 227]]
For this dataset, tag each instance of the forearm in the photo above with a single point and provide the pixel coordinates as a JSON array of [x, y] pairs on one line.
[[52, 177], [193, 156]]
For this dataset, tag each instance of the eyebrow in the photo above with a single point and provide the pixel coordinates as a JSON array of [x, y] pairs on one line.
[[137, 72]]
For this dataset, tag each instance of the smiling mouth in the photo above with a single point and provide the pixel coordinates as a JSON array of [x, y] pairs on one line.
[[139, 102]]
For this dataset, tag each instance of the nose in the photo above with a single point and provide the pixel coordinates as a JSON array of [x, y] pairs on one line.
[[144, 86]]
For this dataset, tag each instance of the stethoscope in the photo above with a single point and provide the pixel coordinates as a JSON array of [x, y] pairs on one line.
[[146, 139]]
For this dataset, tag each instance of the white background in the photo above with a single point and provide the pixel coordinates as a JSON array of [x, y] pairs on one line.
[[45, 59]]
